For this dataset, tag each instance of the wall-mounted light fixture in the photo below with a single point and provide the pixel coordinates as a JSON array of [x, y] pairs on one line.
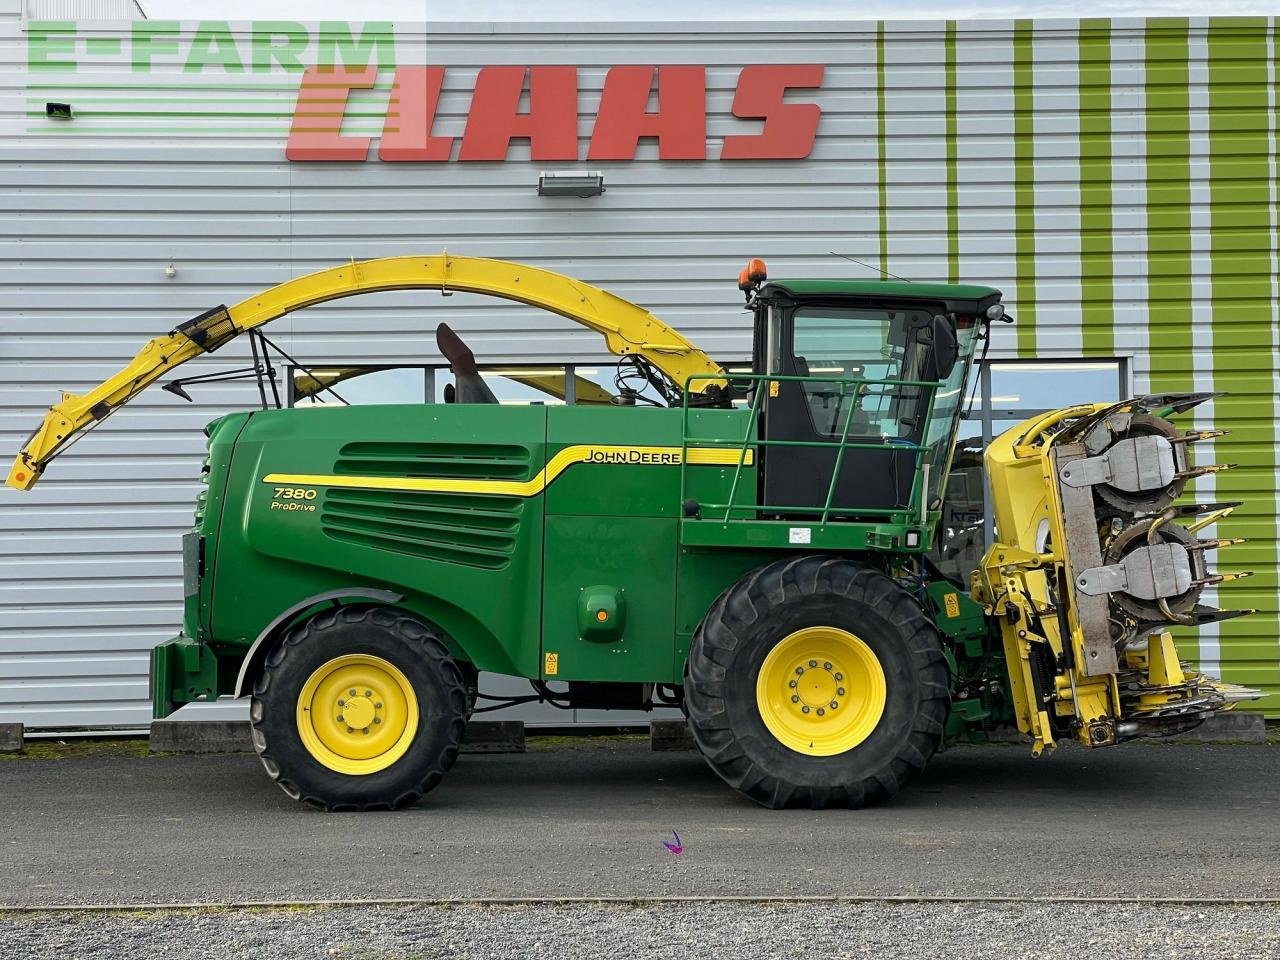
[[570, 183], [57, 111]]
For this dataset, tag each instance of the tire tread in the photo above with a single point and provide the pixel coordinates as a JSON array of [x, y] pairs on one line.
[[721, 635], [407, 628]]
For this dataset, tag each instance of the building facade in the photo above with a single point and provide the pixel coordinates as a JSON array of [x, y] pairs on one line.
[[1116, 179]]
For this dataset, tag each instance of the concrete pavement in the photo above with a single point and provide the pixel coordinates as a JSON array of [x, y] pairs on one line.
[[587, 818]]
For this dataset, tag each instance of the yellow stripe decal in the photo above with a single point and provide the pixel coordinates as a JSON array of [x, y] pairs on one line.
[[581, 453]]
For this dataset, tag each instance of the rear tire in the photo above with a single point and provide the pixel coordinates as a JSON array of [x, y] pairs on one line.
[[765, 659], [359, 708]]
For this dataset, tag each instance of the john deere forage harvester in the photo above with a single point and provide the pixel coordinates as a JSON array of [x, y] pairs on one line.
[[754, 547]]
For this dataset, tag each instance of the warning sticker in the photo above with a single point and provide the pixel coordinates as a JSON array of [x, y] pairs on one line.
[[952, 602], [551, 664], [801, 535]]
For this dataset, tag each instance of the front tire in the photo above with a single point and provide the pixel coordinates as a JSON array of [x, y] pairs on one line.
[[359, 708], [816, 682]]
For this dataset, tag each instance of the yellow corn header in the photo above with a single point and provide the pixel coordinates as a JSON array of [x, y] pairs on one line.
[[1094, 564]]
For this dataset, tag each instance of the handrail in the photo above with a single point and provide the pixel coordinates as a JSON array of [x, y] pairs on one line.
[[742, 454], [842, 443]]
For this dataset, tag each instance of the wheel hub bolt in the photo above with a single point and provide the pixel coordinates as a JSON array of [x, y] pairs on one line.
[[821, 711], [353, 691], [804, 709], [341, 718], [839, 691], [342, 703], [794, 698], [799, 670], [377, 719], [351, 730], [813, 663], [839, 676], [378, 705], [365, 731], [792, 683], [368, 693], [826, 665], [834, 704]]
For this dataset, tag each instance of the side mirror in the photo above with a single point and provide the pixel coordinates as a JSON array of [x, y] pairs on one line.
[[943, 352]]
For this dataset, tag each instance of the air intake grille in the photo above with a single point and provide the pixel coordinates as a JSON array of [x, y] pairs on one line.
[[452, 528], [461, 461]]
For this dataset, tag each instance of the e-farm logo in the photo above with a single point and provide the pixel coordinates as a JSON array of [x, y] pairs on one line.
[[55, 46], [341, 85]]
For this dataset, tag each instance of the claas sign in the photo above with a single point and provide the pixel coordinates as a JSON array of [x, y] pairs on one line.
[[782, 129]]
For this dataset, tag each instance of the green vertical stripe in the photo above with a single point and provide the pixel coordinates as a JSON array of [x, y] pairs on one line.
[[1168, 183], [1275, 220], [1167, 57], [1024, 190], [881, 173], [953, 204], [1097, 287], [1243, 338]]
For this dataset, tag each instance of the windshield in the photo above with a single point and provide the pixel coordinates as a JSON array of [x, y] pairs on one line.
[[945, 418]]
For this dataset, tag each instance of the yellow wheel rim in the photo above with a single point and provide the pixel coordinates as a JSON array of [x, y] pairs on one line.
[[357, 714], [821, 691]]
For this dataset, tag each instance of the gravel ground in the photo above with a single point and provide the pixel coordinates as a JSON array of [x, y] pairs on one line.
[[708, 931]]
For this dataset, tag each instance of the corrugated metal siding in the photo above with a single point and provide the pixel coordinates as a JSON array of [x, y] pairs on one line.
[[1086, 169], [82, 10]]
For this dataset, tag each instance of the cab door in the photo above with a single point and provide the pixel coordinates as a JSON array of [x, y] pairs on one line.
[[833, 341]]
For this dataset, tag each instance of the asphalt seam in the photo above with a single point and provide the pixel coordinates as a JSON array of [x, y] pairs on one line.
[[637, 901]]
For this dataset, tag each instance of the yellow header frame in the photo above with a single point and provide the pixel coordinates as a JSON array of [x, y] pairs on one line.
[[628, 329]]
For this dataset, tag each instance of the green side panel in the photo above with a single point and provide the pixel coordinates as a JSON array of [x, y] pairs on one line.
[[613, 524], [958, 617], [647, 481], [1024, 188], [1097, 287], [636, 557], [1242, 242], [704, 574], [468, 562], [733, 433], [640, 484], [800, 536]]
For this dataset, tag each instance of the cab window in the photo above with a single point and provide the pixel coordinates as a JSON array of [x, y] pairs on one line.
[[859, 343]]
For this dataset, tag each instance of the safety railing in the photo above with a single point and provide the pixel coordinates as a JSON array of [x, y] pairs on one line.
[[849, 389]]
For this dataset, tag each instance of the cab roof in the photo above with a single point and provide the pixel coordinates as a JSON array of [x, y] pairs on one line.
[[958, 296]]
